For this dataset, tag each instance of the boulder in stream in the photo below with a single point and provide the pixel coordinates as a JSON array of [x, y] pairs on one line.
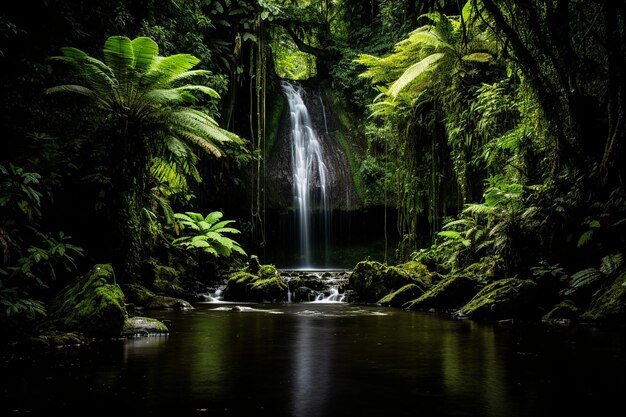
[[93, 305], [373, 280], [503, 299], [401, 296], [264, 285], [143, 326], [450, 293]]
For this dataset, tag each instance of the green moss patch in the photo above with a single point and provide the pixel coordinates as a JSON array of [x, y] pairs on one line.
[[503, 299], [256, 283], [143, 326], [93, 305], [450, 293], [608, 304], [373, 280], [401, 296]]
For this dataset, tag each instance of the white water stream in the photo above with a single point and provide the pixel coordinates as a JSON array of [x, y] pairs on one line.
[[309, 173]]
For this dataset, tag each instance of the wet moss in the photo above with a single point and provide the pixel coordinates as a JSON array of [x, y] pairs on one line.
[[373, 280], [265, 285], [137, 294], [503, 299], [563, 310], [450, 293], [608, 304], [143, 326], [93, 305], [167, 280], [401, 296]]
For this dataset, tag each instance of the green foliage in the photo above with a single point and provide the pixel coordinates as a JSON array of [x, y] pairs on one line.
[[30, 259], [589, 278], [143, 108], [205, 233]]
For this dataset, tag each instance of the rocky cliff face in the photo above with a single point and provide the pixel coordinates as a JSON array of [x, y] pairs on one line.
[[343, 195]]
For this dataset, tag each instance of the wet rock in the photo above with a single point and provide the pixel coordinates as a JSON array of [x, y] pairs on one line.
[[159, 302], [143, 326], [93, 305], [401, 296], [608, 304], [503, 299], [565, 310], [137, 294], [265, 285], [450, 293], [304, 294], [373, 280]]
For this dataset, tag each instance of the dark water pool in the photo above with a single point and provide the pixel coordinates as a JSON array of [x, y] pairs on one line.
[[327, 360]]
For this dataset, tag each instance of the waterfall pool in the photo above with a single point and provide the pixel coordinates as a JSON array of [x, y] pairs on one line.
[[316, 359]]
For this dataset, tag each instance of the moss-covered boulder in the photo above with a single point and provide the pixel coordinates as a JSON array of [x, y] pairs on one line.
[[167, 280], [263, 285], [137, 294], [401, 296], [373, 280], [451, 293], [565, 310], [418, 272], [608, 304], [143, 326], [94, 305], [503, 299]]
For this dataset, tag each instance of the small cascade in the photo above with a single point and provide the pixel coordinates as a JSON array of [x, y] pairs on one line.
[[214, 295], [317, 286], [333, 297], [309, 173]]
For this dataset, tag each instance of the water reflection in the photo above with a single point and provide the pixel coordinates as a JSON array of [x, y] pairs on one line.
[[327, 360], [312, 366]]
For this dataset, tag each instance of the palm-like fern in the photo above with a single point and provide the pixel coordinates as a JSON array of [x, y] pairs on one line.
[[143, 108], [206, 233], [426, 60], [138, 85]]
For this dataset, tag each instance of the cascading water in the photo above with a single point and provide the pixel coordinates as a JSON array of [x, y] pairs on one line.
[[309, 173]]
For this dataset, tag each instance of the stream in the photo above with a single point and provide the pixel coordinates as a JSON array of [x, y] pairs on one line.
[[325, 359]]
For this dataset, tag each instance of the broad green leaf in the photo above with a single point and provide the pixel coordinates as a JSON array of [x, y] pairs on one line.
[[146, 50]]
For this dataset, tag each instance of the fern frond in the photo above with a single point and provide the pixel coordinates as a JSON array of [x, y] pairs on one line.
[[413, 72], [611, 264]]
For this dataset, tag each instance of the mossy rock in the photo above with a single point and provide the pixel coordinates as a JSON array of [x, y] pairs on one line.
[[53, 339], [295, 283], [401, 296], [137, 294], [485, 269], [268, 289], [608, 304], [503, 299], [564, 310], [161, 302], [418, 272], [372, 280], [267, 285], [143, 326], [94, 305], [167, 280], [450, 293]]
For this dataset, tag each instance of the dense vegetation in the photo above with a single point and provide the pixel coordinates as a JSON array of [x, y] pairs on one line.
[[495, 128]]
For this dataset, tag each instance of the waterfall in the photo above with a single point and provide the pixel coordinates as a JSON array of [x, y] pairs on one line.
[[309, 173]]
